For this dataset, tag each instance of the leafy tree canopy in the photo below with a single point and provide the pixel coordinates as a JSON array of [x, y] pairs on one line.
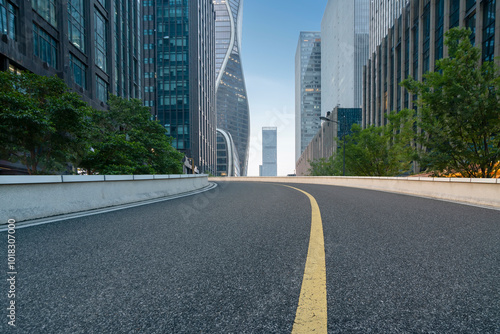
[[42, 124], [459, 111], [374, 151], [125, 140]]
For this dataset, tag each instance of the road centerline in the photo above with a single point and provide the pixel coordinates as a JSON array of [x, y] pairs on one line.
[[311, 315]]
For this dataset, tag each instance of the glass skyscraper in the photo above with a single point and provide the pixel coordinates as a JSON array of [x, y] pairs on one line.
[[307, 89], [179, 74], [232, 104]]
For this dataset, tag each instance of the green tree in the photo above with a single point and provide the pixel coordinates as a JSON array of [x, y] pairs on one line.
[[373, 151], [125, 140], [42, 124], [459, 111], [323, 166]]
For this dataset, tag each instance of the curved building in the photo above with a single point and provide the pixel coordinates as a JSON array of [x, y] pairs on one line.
[[228, 163], [232, 104]]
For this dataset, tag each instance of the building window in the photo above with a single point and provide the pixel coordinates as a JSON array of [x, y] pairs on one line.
[[489, 30], [46, 9], [438, 45], [470, 22], [454, 14], [102, 2], [415, 51], [76, 23], [102, 89], [8, 19], [469, 4], [100, 41], [45, 47], [79, 71], [427, 37]]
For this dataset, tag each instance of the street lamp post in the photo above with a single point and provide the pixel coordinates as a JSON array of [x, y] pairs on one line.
[[343, 137]]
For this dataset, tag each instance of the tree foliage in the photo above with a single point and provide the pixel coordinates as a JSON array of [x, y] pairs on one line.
[[459, 111], [373, 151], [49, 130], [125, 140], [42, 124]]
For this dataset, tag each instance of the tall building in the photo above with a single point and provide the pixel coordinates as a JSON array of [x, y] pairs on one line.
[[269, 152], [307, 89], [228, 162], [414, 42], [232, 103], [93, 45], [179, 76], [344, 51]]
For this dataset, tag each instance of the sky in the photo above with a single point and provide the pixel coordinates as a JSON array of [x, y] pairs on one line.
[[270, 35]]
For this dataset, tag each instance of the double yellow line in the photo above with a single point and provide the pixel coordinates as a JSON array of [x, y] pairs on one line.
[[311, 315]]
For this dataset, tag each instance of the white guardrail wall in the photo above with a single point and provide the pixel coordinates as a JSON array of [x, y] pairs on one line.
[[483, 192], [30, 197]]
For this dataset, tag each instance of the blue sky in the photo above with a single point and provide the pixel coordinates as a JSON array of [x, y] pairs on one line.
[[270, 34]]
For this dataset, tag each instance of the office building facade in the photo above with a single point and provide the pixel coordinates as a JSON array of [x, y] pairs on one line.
[[383, 14], [325, 144], [228, 162], [269, 151], [344, 51], [93, 45], [232, 107], [179, 75], [307, 89], [414, 42]]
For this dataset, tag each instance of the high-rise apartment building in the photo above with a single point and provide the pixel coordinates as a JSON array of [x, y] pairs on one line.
[[232, 103], [179, 74], [415, 41], [307, 89], [93, 45], [269, 151], [344, 51]]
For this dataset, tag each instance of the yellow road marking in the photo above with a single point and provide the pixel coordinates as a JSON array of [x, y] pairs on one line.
[[311, 315]]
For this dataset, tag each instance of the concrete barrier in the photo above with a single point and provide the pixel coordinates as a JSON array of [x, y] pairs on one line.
[[31, 197], [484, 192]]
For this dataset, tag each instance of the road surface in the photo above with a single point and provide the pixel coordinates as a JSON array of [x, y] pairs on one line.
[[232, 260]]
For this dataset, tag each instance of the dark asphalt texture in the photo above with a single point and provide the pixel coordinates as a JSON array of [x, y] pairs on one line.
[[231, 261]]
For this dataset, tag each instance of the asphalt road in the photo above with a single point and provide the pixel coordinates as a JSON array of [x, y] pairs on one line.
[[231, 261]]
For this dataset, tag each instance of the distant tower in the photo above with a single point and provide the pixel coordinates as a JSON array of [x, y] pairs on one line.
[[232, 104], [307, 90], [269, 151]]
